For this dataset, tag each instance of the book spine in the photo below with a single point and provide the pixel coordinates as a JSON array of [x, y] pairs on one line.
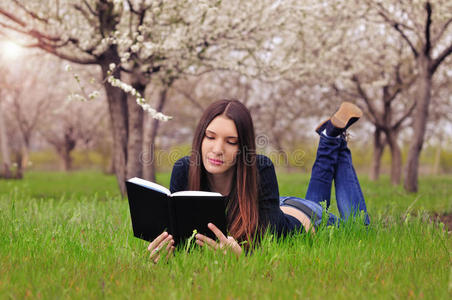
[[172, 218]]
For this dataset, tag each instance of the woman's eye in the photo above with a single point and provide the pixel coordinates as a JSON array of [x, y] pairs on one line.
[[232, 143], [209, 137]]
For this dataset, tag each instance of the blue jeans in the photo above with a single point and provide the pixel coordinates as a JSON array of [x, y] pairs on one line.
[[333, 162]]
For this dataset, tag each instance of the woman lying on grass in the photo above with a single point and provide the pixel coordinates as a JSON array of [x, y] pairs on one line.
[[224, 160]]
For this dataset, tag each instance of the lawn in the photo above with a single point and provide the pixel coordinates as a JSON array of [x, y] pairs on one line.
[[69, 236]]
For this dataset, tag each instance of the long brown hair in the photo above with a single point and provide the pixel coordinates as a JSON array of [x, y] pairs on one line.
[[242, 209]]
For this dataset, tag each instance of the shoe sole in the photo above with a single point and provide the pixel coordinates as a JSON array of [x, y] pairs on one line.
[[320, 126], [347, 111]]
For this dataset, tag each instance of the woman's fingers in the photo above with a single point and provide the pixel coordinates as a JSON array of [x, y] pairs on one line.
[[157, 241], [225, 242], [164, 246], [170, 244], [202, 239], [234, 246], [221, 237]]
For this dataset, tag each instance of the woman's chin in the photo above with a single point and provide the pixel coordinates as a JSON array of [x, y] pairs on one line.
[[216, 169]]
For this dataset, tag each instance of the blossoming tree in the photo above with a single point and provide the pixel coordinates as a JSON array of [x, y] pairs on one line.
[[144, 38]]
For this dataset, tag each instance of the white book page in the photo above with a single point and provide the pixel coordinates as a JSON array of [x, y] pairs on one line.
[[151, 185], [195, 193]]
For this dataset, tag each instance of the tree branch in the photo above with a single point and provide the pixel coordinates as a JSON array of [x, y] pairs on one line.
[[54, 51], [91, 10], [373, 112], [32, 32], [428, 25], [86, 15], [441, 57], [404, 117], [30, 13], [443, 29], [397, 26], [189, 97], [394, 94], [132, 9]]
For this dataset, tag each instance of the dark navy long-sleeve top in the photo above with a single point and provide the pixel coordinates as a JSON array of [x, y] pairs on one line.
[[268, 200]]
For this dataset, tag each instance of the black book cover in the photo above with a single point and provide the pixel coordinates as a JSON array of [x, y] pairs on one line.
[[153, 212]]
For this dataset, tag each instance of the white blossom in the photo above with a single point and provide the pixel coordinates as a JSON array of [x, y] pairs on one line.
[[139, 99], [93, 95]]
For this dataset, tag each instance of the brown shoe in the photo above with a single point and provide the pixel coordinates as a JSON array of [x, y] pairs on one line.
[[347, 114]]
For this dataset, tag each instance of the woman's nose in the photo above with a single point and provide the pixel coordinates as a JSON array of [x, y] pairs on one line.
[[218, 147]]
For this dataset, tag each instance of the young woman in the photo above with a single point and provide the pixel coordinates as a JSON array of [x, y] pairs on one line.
[[224, 160]]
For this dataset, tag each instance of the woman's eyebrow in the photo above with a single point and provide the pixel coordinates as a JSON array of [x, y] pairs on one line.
[[228, 137]]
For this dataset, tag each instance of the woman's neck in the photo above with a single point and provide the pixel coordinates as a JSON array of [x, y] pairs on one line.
[[221, 183]]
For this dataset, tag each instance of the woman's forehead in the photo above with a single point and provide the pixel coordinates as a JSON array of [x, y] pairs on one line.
[[222, 125]]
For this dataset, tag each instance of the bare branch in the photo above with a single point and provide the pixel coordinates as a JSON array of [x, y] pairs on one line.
[[404, 117], [441, 57], [33, 33], [394, 95], [398, 27], [189, 97], [30, 13], [428, 25], [54, 51], [339, 91], [12, 18], [363, 95], [91, 10], [132, 9], [443, 29], [86, 15]]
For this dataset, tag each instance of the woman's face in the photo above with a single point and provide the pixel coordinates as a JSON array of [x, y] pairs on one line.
[[220, 145]]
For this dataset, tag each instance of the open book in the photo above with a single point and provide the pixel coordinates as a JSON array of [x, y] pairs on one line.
[[153, 209]]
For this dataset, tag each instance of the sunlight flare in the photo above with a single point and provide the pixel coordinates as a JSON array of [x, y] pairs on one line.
[[10, 50]]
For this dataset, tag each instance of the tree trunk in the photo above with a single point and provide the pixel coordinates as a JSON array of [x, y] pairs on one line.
[[437, 161], [117, 105], [65, 147], [150, 169], [135, 139], [396, 158], [419, 125], [66, 160], [379, 146], [4, 147], [19, 171], [24, 156]]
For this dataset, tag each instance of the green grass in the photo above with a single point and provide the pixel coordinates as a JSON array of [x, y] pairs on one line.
[[69, 236]]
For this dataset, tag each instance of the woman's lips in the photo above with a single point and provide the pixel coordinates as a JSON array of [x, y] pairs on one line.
[[215, 162]]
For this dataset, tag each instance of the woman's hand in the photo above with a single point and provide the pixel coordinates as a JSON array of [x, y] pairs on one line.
[[162, 245], [226, 243]]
